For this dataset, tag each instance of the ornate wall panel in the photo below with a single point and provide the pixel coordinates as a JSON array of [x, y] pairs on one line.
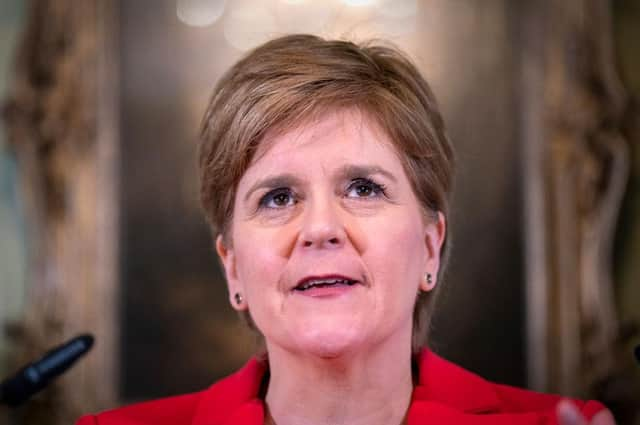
[[62, 124]]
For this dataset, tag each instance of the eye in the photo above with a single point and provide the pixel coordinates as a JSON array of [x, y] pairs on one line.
[[278, 198], [364, 188]]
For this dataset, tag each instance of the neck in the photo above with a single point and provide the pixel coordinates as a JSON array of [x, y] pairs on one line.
[[372, 387]]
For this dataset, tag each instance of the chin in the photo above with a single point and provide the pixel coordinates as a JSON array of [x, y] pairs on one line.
[[330, 343], [327, 350]]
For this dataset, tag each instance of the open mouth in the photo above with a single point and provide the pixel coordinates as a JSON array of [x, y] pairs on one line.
[[310, 283]]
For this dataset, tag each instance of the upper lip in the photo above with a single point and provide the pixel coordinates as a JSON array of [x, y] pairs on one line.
[[308, 279]]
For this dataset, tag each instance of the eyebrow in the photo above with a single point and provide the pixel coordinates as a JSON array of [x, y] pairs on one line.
[[348, 172], [280, 180], [354, 171]]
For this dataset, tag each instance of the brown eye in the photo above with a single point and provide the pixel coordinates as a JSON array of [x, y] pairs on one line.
[[278, 198], [281, 199], [364, 188]]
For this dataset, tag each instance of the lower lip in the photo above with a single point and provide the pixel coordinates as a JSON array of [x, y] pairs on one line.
[[327, 291]]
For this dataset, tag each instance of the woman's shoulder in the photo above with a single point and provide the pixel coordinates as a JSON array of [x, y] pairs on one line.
[[231, 396], [176, 410], [447, 389]]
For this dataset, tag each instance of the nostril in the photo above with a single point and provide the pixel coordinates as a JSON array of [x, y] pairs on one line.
[[332, 241]]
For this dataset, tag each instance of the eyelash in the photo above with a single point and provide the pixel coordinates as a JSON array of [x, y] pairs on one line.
[[269, 196], [377, 190]]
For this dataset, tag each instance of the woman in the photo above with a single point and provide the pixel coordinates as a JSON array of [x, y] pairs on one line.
[[325, 175]]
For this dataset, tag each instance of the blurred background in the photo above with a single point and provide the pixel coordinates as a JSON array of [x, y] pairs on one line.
[[101, 229]]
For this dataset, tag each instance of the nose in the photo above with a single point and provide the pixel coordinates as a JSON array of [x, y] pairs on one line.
[[322, 226]]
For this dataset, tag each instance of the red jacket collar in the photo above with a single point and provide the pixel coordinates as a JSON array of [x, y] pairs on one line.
[[234, 400], [444, 382]]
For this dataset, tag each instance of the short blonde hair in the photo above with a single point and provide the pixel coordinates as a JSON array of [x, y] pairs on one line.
[[290, 79]]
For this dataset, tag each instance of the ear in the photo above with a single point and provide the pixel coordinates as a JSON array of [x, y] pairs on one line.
[[435, 232], [228, 259]]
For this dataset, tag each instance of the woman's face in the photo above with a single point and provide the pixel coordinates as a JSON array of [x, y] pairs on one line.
[[329, 245]]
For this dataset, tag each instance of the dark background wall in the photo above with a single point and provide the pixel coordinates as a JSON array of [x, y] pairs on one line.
[[480, 322], [178, 332]]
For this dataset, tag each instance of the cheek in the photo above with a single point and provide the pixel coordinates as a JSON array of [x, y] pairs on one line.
[[261, 254], [397, 255]]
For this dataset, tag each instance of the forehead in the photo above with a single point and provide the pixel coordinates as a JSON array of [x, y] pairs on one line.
[[346, 133]]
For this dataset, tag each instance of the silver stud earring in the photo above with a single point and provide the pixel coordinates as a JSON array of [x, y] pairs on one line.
[[429, 280], [238, 298]]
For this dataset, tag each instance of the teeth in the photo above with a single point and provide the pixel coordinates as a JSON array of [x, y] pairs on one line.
[[324, 282]]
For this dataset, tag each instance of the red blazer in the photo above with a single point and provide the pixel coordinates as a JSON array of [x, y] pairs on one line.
[[445, 394]]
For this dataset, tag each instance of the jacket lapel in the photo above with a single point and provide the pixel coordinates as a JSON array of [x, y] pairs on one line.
[[447, 394], [234, 400], [444, 382]]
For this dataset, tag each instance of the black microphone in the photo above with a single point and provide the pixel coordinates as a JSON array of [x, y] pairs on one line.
[[37, 375], [637, 351]]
